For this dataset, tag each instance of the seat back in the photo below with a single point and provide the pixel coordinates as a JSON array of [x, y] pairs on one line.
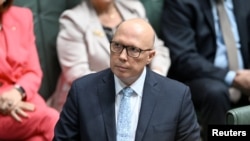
[[238, 116], [154, 12]]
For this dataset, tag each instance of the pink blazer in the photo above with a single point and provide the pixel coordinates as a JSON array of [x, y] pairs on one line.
[[20, 63]]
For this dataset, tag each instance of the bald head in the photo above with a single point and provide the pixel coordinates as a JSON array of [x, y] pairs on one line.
[[138, 29], [137, 37]]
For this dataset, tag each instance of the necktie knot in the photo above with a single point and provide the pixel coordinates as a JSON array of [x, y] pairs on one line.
[[127, 91]]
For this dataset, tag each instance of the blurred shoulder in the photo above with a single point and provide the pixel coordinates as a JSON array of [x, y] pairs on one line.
[[19, 11], [167, 83], [19, 16], [75, 15], [131, 4], [91, 79], [81, 10]]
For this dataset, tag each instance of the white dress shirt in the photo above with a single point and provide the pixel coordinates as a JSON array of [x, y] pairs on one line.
[[221, 52], [137, 86]]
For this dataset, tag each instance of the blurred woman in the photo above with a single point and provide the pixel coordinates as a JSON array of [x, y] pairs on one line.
[[24, 114]]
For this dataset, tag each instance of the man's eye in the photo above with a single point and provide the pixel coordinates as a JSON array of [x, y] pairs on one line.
[[118, 45], [134, 49]]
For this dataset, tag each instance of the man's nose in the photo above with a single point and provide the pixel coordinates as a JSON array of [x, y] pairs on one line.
[[124, 54]]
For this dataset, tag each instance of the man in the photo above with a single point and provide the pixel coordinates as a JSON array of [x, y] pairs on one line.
[[193, 34], [161, 108]]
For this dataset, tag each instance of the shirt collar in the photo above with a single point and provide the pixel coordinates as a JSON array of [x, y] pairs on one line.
[[137, 86]]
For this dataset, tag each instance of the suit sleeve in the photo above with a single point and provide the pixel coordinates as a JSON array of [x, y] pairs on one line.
[[31, 73], [189, 129], [179, 34]]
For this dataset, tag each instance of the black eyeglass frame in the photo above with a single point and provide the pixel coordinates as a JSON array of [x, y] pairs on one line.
[[126, 47]]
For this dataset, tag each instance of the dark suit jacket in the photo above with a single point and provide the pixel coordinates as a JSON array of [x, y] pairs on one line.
[[167, 112], [189, 32]]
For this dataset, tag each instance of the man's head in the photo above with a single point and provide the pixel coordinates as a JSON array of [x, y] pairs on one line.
[[136, 38]]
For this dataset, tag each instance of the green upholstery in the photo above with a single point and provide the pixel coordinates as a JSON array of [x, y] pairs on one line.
[[154, 13], [46, 13], [239, 116]]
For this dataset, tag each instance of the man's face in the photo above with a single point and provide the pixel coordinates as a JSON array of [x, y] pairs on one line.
[[125, 67]]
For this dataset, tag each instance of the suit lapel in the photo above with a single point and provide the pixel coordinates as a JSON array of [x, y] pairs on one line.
[[99, 38], [12, 37], [98, 34], [106, 96], [149, 99]]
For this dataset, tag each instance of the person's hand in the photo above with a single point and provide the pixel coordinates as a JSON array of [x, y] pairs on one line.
[[20, 110], [242, 81], [9, 100]]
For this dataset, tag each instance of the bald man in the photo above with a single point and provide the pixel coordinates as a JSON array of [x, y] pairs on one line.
[[157, 107]]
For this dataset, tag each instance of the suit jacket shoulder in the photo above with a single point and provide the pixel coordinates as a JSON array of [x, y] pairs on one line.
[[94, 78]]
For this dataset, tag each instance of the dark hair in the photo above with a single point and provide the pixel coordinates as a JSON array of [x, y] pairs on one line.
[[4, 7]]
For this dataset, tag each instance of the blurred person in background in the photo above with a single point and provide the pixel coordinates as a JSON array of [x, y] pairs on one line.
[[193, 33], [24, 114]]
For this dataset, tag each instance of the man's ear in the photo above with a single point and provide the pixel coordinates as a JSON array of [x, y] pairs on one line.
[[150, 56]]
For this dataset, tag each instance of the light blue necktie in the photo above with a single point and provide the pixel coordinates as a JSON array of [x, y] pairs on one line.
[[125, 116]]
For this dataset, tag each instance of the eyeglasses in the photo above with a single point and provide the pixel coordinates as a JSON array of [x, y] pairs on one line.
[[131, 51]]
